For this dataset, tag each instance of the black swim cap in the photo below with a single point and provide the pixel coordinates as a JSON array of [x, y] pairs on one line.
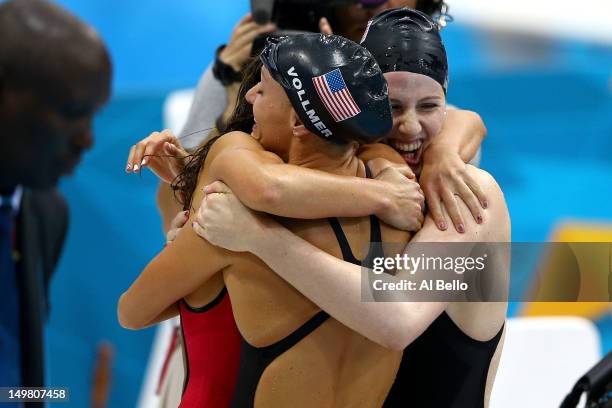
[[407, 40], [335, 86]]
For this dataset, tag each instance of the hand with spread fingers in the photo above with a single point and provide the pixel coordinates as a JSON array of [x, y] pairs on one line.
[[445, 179], [224, 221], [161, 152], [237, 52]]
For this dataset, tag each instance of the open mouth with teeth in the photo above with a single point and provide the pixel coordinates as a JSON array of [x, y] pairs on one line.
[[410, 152]]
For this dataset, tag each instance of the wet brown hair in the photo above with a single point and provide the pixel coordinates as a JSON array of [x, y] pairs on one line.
[[241, 120]]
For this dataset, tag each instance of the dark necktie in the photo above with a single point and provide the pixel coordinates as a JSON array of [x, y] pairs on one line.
[[10, 357]]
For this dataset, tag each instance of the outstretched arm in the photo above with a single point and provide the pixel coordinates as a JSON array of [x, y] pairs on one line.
[[177, 271], [263, 182], [332, 284]]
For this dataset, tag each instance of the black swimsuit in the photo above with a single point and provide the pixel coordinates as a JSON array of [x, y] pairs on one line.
[[255, 360], [443, 368]]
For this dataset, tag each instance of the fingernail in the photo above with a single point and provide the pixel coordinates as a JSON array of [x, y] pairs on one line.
[[193, 224], [461, 228], [136, 167], [206, 189], [442, 225], [485, 204], [143, 162], [128, 167], [479, 219]]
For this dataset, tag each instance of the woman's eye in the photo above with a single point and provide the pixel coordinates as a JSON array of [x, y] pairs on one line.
[[429, 106], [396, 107]]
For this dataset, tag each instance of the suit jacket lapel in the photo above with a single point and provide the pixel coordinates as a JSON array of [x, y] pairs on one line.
[[32, 294]]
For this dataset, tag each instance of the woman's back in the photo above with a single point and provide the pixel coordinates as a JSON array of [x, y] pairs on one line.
[[331, 365]]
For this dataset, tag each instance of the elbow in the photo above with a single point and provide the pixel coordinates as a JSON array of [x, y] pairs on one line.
[[396, 337], [126, 319], [264, 196], [481, 128]]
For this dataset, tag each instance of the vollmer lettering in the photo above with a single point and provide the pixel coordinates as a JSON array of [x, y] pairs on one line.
[[312, 115]]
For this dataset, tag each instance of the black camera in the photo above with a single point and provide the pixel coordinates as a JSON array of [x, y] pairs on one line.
[[304, 15], [300, 15], [597, 384]]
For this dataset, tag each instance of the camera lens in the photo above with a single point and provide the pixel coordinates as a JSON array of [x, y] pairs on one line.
[[371, 3]]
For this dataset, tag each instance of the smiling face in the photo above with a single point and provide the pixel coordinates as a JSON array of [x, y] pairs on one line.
[[273, 114], [419, 105]]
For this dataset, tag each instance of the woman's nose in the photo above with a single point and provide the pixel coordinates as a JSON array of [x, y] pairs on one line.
[[410, 125], [251, 94]]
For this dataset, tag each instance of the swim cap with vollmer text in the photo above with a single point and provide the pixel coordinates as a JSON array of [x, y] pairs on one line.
[[335, 86]]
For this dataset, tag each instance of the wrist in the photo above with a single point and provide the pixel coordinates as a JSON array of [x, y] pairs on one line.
[[230, 63], [225, 71], [439, 149], [382, 202], [272, 236]]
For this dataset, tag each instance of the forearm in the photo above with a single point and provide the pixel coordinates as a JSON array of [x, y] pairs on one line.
[[167, 205], [125, 321], [231, 93], [463, 133], [177, 271], [264, 183], [297, 192], [169, 313], [209, 102]]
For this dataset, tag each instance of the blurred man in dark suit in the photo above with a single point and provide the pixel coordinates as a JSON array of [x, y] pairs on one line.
[[54, 75]]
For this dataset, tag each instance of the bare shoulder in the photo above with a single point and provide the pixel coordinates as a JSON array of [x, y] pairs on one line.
[[496, 225], [379, 151], [486, 180], [496, 220], [239, 146], [234, 140]]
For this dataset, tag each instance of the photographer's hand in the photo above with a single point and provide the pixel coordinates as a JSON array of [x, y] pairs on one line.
[[237, 52], [325, 27]]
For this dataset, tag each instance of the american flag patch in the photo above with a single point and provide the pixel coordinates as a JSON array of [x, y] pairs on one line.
[[335, 95]]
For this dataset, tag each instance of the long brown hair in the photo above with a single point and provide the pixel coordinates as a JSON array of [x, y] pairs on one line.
[[241, 120]]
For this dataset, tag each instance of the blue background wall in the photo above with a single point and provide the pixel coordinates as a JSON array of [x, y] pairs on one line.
[[549, 146]]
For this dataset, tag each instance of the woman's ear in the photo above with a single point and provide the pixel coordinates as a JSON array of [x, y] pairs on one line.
[[298, 128], [256, 136]]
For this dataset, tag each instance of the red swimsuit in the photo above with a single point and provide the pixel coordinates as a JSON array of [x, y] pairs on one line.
[[212, 351]]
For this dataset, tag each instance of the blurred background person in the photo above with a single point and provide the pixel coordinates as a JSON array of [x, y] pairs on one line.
[[54, 75]]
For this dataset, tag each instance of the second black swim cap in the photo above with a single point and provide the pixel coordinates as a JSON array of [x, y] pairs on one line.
[[407, 40], [334, 85]]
